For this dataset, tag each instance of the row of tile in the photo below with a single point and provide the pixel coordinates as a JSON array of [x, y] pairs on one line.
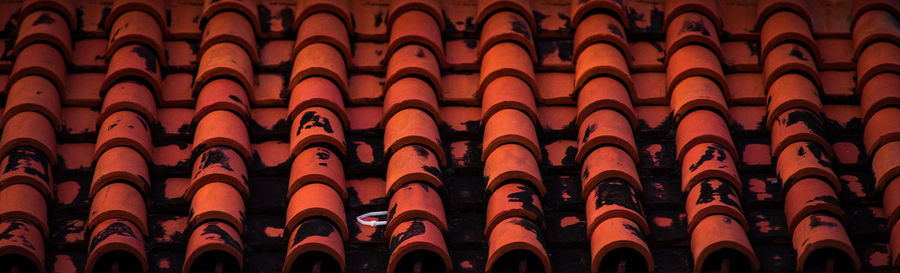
[[607, 153], [875, 37]]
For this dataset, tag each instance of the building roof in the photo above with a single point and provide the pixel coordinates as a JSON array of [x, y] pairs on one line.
[[491, 135]]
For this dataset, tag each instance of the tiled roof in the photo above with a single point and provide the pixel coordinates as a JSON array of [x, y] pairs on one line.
[[494, 135]]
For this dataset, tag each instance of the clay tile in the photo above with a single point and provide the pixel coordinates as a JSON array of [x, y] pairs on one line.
[[317, 164], [413, 163], [115, 237], [607, 162], [27, 165], [877, 58], [217, 201], [23, 240], [506, 59], [39, 59], [317, 91], [691, 27], [44, 27], [29, 129], [605, 127], [119, 201], [694, 60], [319, 59], [339, 8], [410, 92], [581, 9], [218, 164], [886, 164], [508, 93], [228, 60], [317, 126], [698, 93], [232, 27], [789, 58], [713, 196], [821, 232], [124, 128], [23, 202], [510, 126], [212, 240], [618, 235], [873, 26], [310, 239], [413, 126], [805, 159], [133, 61], [708, 160], [598, 28], [881, 128], [601, 59], [420, 238], [136, 27], [707, 8], [792, 91], [878, 93], [323, 27], [722, 235], [414, 60], [506, 26], [604, 92], [808, 196], [862, 6], [767, 8], [33, 93], [222, 128], [890, 194], [487, 8], [156, 9], [416, 26], [520, 237], [247, 8], [798, 124], [614, 198], [702, 126], [787, 27], [513, 200], [120, 164], [415, 201], [317, 200], [509, 162], [221, 94], [399, 8], [131, 96], [66, 8]]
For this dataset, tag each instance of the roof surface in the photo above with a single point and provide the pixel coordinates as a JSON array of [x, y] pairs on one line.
[[498, 135]]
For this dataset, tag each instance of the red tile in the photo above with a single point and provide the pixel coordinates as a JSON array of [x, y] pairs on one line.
[[24, 202], [317, 165], [881, 129], [225, 59], [121, 243], [748, 118], [878, 94], [698, 167], [413, 163], [90, 54], [605, 127], [29, 129], [600, 208], [216, 201], [694, 60], [136, 27], [506, 59], [120, 164], [410, 92], [810, 237], [554, 88], [787, 27], [218, 165], [510, 126], [515, 233], [430, 241], [415, 201], [222, 128], [702, 126], [618, 235], [804, 159], [497, 167], [726, 234], [647, 56], [326, 28], [698, 93], [877, 58], [118, 201], [691, 27], [228, 244], [722, 200], [461, 88], [601, 59], [316, 200], [303, 243], [608, 162], [368, 56], [33, 93], [413, 126], [508, 93], [276, 55], [808, 196]]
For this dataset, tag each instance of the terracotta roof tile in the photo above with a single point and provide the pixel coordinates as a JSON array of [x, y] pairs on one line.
[[572, 136]]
